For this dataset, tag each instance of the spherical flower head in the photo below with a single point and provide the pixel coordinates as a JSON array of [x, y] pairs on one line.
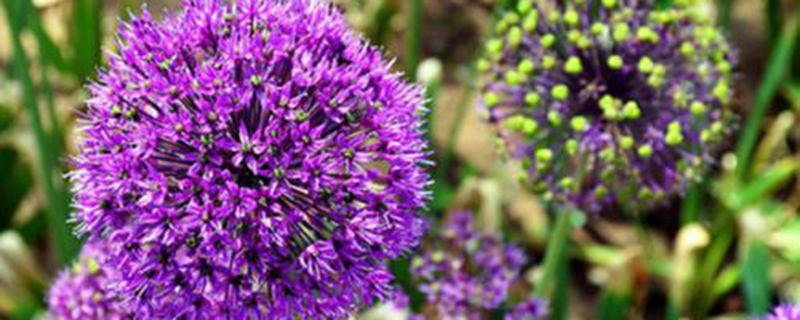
[[81, 292], [465, 272], [250, 159], [785, 311], [608, 102]]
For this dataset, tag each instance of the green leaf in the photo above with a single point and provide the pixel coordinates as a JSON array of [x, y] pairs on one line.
[[724, 16], [773, 16], [775, 177], [47, 48], [65, 244], [414, 39], [6, 119], [755, 281], [779, 63], [726, 281], [14, 186], [87, 37], [613, 305], [559, 303], [785, 240], [557, 247]]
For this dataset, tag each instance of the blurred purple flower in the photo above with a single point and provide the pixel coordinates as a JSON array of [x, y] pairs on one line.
[[608, 102], [82, 293], [465, 273], [257, 160], [785, 311]]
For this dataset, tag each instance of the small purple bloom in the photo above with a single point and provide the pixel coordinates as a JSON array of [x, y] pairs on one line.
[[530, 309], [250, 159], [82, 293], [785, 311], [466, 273], [608, 102]]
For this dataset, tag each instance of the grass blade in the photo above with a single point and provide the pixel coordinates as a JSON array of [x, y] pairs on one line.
[[557, 246], [613, 306], [86, 37], [724, 16], [755, 278], [779, 63], [414, 39], [64, 242], [773, 15]]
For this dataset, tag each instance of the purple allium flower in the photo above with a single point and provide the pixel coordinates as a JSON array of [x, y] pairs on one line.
[[466, 273], [258, 160], [785, 311], [530, 309], [82, 293], [608, 101]]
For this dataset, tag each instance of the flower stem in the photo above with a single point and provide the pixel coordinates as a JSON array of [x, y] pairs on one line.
[[557, 246]]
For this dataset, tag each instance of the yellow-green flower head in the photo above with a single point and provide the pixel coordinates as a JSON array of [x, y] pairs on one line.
[[609, 102]]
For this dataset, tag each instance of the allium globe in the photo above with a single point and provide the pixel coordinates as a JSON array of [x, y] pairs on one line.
[[608, 101], [82, 292], [250, 159], [466, 273]]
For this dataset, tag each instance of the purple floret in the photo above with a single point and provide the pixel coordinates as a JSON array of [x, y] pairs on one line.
[[82, 292], [253, 160], [785, 311], [608, 102], [466, 273]]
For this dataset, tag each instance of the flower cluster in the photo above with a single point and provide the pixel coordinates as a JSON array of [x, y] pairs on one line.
[[608, 101], [785, 312], [253, 159], [466, 273], [82, 292]]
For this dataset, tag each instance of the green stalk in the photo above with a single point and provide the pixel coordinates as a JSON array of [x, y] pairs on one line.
[[773, 15], [755, 278], [65, 244], [87, 37], [414, 39], [779, 63], [557, 246], [724, 17]]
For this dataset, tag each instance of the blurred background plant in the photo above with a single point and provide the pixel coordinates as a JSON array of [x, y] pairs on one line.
[[729, 249]]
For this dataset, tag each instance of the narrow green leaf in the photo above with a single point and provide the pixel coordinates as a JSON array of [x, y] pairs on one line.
[[6, 119], [724, 15], [613, 305], [712, 259], [557, 246], [773, 178], [14, 186], [773, 16], [64, 242], [755, 278], [47, 48], [414, 39], [692, 203], [382, 25], [726, 281], [87, 36], [559, 304], [779, 63]]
